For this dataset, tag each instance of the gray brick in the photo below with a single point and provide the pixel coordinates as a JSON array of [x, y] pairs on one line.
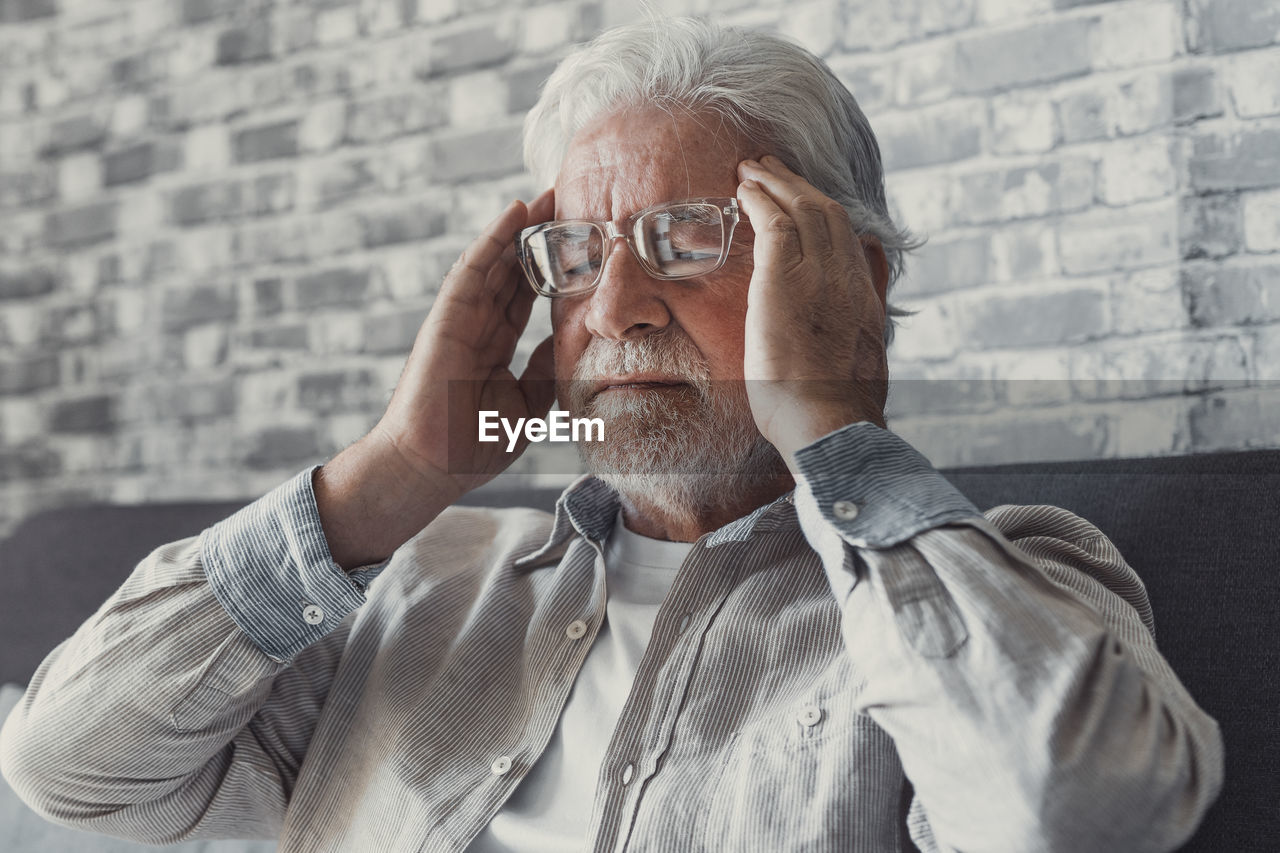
[[205, 202], [266, 142], [71, 324], [293, 337], [191, 306], [337, 391], [1196, 95], [17, 11], [110, 270], [191, 400], [231, 199], [386, 116], [74, 133], [524, 84], [1225, 25], [1072, 4], [392, 333], [1083, 117], [1248, 158], [93, 414], [140, 69], [1103, 241], [1209, 226], [26, 283], [31, 460], [947, 265], [1232, 296], [922, 138], [345, 179], [402, 225], [1019, 193], [943, 396], [333, 287], [268, 296], [138, 162], [32, 185], [925, 77], [199, 11], [280, 241], [270, 194], [474, 47], [91, 223], [22, 376], [476, 155], [1237, 419], [1036, 53], [282, 447], [245, 44], [1034, 319], [1018, 254]]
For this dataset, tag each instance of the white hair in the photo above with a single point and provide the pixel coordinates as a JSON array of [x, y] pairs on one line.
[[770, 89]]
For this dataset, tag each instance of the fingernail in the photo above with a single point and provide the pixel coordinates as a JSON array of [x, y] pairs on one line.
[[748, 184]]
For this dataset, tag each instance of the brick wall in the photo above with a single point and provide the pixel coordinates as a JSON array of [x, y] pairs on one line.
[[222, 222]]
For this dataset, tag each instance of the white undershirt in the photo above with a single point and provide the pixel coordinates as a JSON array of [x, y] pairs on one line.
[[550, 810]]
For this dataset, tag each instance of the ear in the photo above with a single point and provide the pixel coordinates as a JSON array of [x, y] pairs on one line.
[[879, 265]]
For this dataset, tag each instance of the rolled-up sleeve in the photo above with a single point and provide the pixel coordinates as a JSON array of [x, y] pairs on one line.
[[1010, 657], [270, 567], [184, 706]]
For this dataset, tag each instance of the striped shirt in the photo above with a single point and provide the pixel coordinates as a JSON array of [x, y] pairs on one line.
[[865, 664]]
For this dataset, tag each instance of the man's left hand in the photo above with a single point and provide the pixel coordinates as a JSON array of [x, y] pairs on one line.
[[814, 346]]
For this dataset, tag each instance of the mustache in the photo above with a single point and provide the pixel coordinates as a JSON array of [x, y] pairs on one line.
[[666, 353]]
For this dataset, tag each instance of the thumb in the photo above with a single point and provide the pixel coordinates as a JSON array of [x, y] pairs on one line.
[[537, 382]]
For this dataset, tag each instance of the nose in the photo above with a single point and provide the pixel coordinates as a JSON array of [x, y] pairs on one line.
[[627, 302]]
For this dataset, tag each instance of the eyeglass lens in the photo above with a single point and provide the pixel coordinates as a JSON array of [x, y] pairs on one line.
[[678, 241]]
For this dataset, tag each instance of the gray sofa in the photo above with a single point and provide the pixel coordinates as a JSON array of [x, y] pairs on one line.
[[1200, 530]]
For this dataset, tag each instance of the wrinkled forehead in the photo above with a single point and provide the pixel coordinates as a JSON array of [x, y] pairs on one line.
[[630, 159]]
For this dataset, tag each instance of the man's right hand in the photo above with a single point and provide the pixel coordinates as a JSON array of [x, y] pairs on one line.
[[423, 453]]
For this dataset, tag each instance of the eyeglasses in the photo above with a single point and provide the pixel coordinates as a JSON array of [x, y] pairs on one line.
[[672, 240]]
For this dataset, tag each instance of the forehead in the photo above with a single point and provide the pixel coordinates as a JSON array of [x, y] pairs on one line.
[[630, 159]]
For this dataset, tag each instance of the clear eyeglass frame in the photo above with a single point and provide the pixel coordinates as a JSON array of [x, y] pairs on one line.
[[629, 231]]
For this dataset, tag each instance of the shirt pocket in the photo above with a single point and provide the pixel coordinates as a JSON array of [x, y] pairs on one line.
[[819, 777]]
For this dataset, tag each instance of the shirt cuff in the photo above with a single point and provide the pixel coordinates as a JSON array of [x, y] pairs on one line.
[[875, 489], [269, 566]]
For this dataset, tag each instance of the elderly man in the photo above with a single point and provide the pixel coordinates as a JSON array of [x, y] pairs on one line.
[[765, 623]]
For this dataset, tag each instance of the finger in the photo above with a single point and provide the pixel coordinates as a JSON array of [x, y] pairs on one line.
[[537, 382], [777, 242], [472, 268], [801, 201], [499, 278], [542, 208], [520, 305]]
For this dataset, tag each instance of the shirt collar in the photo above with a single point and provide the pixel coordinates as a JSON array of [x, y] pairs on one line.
[[589, 507]]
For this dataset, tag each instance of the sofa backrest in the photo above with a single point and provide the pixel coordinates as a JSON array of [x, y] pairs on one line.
[[1199, 530]]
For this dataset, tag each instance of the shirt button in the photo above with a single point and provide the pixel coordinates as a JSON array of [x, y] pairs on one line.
[[810, 715], [845, 510], [684, 622], [501, 765], [627, 773], [312, 615], [575, 629]]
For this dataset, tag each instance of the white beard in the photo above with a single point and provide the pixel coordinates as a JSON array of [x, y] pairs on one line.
[[687, 449]]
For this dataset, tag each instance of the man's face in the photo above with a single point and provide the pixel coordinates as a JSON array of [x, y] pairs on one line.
[[692, 427], [627, 161]]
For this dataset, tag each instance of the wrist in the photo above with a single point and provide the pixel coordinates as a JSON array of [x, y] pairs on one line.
[[370, 502], [803, 425]]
